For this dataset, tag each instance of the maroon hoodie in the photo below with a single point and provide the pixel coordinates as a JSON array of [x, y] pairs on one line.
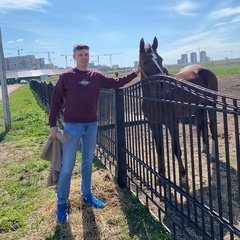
[[78, 91]]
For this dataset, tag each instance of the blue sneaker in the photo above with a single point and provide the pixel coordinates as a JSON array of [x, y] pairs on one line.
[[62, 212], [93, 201]]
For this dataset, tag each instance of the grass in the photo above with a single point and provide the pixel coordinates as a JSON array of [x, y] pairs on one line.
[[218, 67], [23, 181]]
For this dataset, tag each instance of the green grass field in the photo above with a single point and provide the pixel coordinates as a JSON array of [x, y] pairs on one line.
[[218, 67]]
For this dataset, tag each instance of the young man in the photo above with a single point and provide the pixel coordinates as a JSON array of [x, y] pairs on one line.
[[77, 92]]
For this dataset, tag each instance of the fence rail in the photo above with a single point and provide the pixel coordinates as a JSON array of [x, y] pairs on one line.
[[209, 207]]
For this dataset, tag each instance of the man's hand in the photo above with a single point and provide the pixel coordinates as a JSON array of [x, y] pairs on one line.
[[138, 70], [53, 131]]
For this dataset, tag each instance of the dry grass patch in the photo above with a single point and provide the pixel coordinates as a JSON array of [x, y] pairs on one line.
[[115, 221]]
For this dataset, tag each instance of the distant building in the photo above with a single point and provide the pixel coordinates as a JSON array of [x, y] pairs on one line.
[[14, 63], [193, 57], [40, 64], [92, 65], [136, 64], [203, 56], [28, 62], [184, 58], [49, 66]]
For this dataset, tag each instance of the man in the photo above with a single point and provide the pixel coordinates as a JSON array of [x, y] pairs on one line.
[[77, 92]]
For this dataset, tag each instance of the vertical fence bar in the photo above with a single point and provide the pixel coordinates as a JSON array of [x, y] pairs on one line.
[[120, 138]]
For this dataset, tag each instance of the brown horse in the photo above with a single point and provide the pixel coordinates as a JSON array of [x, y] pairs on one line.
[[151, 64]]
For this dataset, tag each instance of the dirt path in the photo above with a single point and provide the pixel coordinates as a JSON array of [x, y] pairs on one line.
[[11, 89]]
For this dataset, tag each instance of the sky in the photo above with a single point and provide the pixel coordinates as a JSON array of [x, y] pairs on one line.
[[113, 29]]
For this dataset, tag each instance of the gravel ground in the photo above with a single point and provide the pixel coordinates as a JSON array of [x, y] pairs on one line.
[[229, 84]]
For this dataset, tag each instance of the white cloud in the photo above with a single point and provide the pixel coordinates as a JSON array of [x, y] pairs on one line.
[[224, 12], [35, 5], [220, 24], [10, 41], [195, 37], [20, 40], [185, 8], [234, 20], [2, 11], [237, 19]]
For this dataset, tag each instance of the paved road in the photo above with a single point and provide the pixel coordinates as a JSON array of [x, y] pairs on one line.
[[11, 89]]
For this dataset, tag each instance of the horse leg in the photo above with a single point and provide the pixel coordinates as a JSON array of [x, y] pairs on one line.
[[202, 124], [173, 129], [157, 136], [213, 129], [203, 127]]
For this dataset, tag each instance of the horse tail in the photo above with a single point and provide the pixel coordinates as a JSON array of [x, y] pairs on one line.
[[210, 79], [211, 83]]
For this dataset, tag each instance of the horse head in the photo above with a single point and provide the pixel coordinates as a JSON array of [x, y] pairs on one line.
[[149, 59]]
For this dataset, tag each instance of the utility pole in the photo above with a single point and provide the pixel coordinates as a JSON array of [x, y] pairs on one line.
[[5, 100]]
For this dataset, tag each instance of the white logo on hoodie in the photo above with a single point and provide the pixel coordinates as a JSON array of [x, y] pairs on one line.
[[84, 82]]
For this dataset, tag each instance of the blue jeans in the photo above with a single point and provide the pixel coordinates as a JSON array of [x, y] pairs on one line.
[[87, 134]]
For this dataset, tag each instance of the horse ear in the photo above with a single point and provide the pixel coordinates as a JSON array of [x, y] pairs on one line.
[[155, 43], [142, 45]]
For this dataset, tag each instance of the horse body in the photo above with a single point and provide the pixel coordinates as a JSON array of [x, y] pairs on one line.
[[151, 64], [198, 75]]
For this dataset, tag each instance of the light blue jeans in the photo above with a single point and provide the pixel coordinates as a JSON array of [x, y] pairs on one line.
[[87, 134]]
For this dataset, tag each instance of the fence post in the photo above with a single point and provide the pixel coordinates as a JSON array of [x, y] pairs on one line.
[[120, 138]]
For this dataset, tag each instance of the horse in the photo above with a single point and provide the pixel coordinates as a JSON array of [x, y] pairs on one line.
[[151, 63]]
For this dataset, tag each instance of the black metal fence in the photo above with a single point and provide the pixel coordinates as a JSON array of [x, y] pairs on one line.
[[43, 90], [209, 207]]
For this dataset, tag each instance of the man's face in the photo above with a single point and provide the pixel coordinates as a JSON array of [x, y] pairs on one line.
[[81, 57]]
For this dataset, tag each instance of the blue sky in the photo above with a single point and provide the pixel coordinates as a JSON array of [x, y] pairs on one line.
[[116, 27]]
